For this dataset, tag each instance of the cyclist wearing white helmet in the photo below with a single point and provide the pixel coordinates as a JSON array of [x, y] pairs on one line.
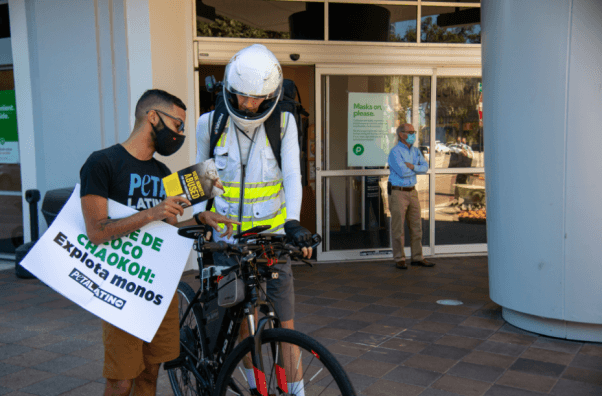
[[252, 86], [257, 190]]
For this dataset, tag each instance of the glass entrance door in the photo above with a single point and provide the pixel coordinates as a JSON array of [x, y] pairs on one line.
[[11, 212], [359, 110], [359, 115]]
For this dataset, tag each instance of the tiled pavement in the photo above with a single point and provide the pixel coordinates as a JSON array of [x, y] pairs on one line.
[[383, 324]]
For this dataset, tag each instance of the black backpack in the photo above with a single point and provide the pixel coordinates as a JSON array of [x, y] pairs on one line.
[[288, 102]]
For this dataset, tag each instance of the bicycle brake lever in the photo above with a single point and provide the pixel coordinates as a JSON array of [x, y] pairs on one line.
[[291, 248], [316, 240]]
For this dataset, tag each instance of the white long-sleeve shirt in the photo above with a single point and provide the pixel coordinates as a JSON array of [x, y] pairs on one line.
[[289, 152]]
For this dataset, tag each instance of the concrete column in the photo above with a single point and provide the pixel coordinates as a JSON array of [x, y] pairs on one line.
[[542, 95], [171, 35]]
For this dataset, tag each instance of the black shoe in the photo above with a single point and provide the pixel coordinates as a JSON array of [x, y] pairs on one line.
[[423, 263], [401, 265]]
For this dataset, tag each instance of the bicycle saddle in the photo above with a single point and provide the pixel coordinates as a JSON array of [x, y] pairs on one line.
[[252, 231], [192, 231]]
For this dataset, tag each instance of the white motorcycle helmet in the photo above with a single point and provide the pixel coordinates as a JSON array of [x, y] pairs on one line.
[[254, 72]]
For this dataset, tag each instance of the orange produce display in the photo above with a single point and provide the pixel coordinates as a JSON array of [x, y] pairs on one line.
[[479, 215]]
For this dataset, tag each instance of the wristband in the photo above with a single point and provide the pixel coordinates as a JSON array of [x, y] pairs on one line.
[[197, 219]]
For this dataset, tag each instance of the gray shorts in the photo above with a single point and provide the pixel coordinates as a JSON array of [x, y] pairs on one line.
[[280, 291]]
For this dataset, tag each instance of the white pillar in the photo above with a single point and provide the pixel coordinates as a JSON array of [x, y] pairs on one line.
[[24, 101], [140, 65], [542, 84]]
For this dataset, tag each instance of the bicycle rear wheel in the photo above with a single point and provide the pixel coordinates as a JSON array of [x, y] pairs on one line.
[[315, 365], [183, 382]]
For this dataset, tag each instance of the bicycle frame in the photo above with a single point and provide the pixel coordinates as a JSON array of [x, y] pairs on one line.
[[220, 343], [230, 320]]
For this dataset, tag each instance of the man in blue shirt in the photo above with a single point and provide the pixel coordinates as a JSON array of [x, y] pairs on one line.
[[405, 161]]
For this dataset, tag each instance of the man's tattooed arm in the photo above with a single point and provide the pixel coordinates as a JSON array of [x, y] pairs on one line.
[[104, 223], [103, 226]]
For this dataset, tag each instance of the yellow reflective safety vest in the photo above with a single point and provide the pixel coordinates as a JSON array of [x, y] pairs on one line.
[[259, 189]]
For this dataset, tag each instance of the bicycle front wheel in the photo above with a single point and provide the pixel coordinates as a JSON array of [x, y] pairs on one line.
[[312, 367], [183, 382]]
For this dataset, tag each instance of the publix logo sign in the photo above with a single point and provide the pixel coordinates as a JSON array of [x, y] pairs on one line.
[[358, 149]]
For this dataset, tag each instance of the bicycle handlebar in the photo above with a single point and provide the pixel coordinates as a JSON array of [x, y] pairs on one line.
[[244, 248], [249, 241]]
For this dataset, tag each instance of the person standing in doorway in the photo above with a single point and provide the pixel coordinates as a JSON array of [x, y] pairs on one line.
[[405, 161]]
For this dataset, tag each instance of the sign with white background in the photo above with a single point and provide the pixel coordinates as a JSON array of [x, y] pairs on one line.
[[371, 123], [128, 282]]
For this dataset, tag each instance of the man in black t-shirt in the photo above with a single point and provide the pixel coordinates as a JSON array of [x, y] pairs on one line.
[[128, 173], [125, 178]]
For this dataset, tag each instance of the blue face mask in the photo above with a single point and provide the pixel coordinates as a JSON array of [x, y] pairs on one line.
[[411, 138]]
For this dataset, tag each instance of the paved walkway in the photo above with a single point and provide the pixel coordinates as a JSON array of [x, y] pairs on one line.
[[383, 324]]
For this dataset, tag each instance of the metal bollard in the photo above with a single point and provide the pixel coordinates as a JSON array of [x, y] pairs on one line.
[[33, 197]]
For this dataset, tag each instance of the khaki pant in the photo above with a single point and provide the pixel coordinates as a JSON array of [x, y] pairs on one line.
[[405, 206], [126, 355]]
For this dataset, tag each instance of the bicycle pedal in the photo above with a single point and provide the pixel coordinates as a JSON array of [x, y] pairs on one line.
[[176, 363]]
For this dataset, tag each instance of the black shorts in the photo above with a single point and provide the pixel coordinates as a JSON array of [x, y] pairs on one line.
[[280, 291]]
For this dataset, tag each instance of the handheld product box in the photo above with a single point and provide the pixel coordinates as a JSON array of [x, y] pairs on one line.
[[196, 183]]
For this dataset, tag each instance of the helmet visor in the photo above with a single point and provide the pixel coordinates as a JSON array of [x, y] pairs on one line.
[[246, 111], [234, 91]]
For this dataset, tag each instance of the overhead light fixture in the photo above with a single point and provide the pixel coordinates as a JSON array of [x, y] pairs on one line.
[[464, 18], [204, 12]]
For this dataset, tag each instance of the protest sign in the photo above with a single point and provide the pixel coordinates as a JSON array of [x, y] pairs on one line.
[[128, 282]]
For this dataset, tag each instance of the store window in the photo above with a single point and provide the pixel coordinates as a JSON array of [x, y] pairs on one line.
[[4, 22], [357, 21], [460, 25], [459, 134], [460, 209], [372, 22], [260, 19]]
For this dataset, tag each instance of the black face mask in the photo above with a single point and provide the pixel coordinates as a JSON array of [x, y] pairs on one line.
[[166, 141]]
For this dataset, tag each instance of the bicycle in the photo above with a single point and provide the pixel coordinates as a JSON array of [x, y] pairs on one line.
[[210, 321]]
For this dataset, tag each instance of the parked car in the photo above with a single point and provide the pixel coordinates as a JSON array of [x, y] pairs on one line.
[[460, 148], [441, 148]]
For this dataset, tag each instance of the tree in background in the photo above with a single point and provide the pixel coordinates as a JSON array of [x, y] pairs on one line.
[[432, 33], [402, 86], [457, 100]]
